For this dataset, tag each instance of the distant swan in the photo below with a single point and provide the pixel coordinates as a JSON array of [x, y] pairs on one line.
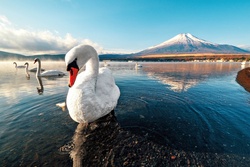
[[49, 73], [26, 70], [137, 65], [18, 66], [106, 64], [93, 92], [33, 69]]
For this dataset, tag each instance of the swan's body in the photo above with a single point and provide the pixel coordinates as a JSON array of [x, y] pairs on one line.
[[137, 65], [52, 73], [49, 73], [106, 64], [16, 66], [94, 93], [31, 70], [35, 69]]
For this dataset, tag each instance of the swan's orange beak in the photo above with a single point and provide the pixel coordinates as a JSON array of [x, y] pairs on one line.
[[72, 76]]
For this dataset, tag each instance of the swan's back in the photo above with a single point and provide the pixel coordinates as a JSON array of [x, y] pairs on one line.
[[106, 89], [106, 95], [52, 73]]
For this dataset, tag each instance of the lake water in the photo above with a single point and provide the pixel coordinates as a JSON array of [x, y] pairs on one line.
[[197, 108]]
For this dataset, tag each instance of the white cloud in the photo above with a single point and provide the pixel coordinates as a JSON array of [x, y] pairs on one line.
[[30, 42], [246, 47], [4, 20], [118, 51]]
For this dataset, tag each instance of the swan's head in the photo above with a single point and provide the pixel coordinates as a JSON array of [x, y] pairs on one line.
[[76, 58], [73, 71], [36, 60], [26, 64]]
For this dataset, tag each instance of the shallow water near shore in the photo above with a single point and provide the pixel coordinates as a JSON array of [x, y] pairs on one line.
[[193, 107]]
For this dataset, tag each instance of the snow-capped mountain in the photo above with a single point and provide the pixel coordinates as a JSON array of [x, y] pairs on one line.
[[187, 43]]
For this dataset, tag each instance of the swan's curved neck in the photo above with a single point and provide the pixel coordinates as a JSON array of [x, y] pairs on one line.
[[92, 66], [38, 70]]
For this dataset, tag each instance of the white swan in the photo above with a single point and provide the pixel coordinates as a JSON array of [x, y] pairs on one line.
[[26, 70], [18, 66], [106, 64], [93, 92], [49, 73], [137, 66]]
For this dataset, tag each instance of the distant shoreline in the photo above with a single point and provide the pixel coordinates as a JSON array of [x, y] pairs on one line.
[[232, 57], [184, 57], [198, 56]]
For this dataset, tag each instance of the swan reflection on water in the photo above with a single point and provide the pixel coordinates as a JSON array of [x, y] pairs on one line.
[[27, 71], [105, 143], [39, 89]]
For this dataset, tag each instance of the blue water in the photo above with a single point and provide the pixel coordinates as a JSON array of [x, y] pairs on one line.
[[196, 107]]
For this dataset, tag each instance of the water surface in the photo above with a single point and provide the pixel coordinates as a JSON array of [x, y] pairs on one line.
[[194, 107]]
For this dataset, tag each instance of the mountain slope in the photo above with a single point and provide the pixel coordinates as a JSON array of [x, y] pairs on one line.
[[10, 56], [6, 56], [187, 43]]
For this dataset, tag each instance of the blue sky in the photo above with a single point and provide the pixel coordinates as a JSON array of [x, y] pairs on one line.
[[54, 26]]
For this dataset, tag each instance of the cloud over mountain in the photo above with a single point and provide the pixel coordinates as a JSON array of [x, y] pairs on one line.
[[245, 47], [30, 42]]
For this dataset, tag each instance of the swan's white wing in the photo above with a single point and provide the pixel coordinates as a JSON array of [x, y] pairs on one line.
[[81, 102], [107, 92]]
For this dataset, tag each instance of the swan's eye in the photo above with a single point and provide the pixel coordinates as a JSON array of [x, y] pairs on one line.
[[72, 64]]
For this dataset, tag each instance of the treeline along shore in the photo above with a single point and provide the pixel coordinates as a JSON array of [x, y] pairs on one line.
[[197, 56], [181, 57]]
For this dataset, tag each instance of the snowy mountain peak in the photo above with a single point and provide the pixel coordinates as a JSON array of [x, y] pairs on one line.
[[184, 38], [187, 43]]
